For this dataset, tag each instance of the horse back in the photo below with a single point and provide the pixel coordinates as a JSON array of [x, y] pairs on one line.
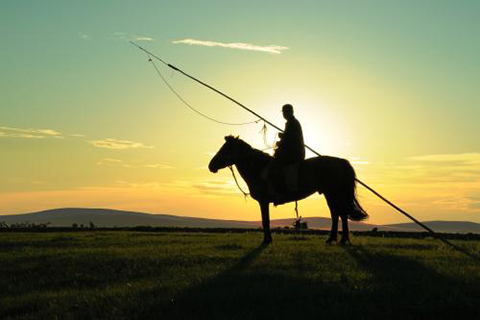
[[322, 171]]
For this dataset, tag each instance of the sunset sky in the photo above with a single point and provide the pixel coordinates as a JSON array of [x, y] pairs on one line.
[[86, 122]]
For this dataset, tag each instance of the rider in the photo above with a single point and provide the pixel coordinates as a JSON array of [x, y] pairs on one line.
[[288, 150]]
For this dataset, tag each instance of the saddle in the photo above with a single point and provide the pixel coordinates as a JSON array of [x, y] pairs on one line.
[[286, 181]]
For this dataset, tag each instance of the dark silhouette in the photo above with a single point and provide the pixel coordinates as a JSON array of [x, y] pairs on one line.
[[300, 225], [334, 177], [289, 149], [400, 286], [25, 225], [192, 300]]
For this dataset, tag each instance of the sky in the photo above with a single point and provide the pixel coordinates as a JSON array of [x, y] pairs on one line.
[[85, 121]]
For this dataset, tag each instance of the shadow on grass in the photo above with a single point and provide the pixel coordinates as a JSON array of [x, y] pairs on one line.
[[395, 287], [246, 292], [401, 287], [217, 297], [370, 285]]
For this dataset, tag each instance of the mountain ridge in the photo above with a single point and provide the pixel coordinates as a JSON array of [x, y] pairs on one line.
[[101, 217]]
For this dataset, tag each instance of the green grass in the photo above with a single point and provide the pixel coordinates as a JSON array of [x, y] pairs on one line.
[[170, 275]]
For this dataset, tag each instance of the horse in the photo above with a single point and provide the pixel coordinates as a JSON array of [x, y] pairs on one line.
[[331, 176]]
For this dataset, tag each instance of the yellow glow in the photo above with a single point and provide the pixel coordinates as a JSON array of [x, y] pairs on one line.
[[400, 104]]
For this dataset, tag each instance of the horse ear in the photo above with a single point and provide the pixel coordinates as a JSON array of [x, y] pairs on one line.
[[237, 137]]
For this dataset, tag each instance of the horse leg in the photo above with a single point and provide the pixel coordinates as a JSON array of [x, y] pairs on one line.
[[332, 205], [267, 235], [334, 230], [345, 232]]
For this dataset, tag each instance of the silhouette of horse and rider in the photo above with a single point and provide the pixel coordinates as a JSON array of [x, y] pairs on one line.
[[289, 149], [288, 176]]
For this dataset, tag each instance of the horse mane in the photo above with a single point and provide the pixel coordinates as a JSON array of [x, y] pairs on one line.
[[256, 152]]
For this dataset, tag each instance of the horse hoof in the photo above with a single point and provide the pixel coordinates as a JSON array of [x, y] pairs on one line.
[[267, 241], [329, 242], [345, 242]]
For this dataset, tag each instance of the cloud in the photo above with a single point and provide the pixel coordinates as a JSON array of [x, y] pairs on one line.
[[357, 160], [121, 163], [460, 168], [274, 49], [158, 166], [473, 202], [37, 182], [84, 36], [199, 187], [118, 144], [129, 37], [143, 39], [119, 36], [77, 135], [139, 185], [450, 159], [360, 162], [29, 133], [440, 184], [217, 187], [109, 161]]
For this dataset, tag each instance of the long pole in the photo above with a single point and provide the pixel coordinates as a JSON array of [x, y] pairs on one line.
[[306, 146], [217, 91]]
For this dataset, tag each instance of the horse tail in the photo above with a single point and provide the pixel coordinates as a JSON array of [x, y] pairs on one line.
[[355, 210]]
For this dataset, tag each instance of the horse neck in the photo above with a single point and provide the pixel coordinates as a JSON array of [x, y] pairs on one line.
[[245, 169], [249, 167]]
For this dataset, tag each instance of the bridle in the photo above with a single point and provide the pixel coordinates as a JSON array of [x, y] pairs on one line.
[[245, 194], [250, 154]]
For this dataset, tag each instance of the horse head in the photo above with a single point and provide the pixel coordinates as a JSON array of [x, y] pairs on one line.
[[228, 154]]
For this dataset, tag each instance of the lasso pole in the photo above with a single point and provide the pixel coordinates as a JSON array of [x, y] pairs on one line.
[[306, 146]]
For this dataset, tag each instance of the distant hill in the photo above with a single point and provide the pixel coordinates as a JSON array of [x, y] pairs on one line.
[[65, 217], [439, 226]]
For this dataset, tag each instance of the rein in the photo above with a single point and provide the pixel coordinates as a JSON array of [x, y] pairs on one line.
[[235, 178], [245, 194]]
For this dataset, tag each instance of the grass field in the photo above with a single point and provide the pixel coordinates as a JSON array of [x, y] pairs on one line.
[[170, 275]]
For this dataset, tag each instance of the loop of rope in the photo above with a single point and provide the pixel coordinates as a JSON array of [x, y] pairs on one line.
[[264, 132], [189, 105]]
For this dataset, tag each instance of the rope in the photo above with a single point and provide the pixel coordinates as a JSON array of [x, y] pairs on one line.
[[189, 105], [264, 132], [438, 236], [239, 188]]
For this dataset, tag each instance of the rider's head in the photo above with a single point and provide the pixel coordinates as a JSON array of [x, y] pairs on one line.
[[287, 111]]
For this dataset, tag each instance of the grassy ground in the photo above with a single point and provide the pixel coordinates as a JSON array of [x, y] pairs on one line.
[[183, 275]]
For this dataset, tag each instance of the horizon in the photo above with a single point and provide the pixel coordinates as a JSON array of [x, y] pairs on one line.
[[86, 122], [240, 220], [109, 218]]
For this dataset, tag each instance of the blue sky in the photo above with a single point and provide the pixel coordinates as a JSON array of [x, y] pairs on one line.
[[390, 85]]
